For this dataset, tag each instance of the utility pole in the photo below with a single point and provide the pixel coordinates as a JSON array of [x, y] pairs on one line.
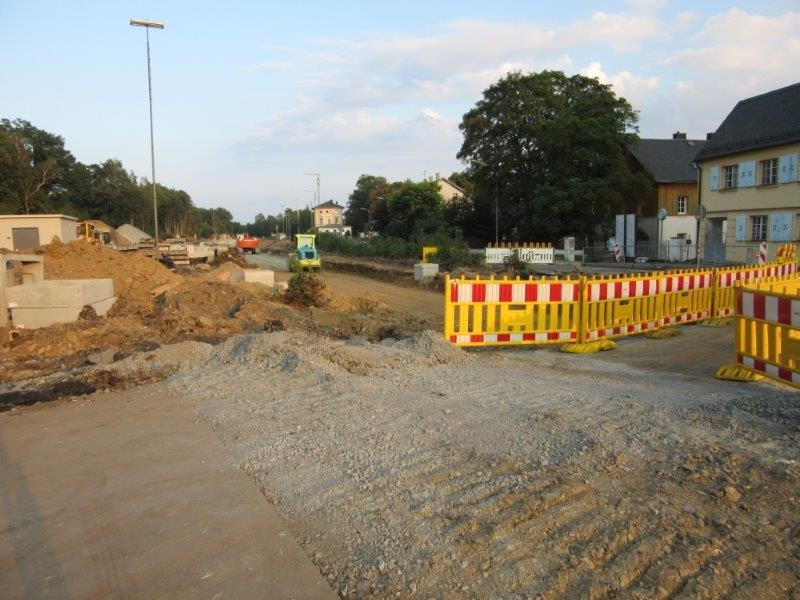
[[317, 197]]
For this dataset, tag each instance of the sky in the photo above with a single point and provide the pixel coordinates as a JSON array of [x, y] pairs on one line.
[[248, 97]]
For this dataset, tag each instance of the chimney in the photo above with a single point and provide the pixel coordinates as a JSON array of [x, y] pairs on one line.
[[709, 135], [678, 136]]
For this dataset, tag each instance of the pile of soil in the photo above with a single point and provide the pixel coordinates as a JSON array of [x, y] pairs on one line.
[[156, 306], [135, 275]]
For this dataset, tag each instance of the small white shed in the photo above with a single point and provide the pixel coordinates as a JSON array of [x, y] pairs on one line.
[[25, 232]]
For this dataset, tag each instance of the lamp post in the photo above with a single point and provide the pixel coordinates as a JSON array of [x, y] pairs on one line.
[[147, 26], [369, 220]]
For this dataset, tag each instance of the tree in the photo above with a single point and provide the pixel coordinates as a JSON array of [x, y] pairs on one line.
[[34, 162], [550, 150], [369, 190], [414, 209]]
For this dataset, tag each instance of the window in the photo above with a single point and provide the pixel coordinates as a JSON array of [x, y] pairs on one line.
[[759, 225], [730, 175], [682, 202], [769, 171]]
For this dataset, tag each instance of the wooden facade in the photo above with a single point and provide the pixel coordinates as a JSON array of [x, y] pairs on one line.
[[668, 194]]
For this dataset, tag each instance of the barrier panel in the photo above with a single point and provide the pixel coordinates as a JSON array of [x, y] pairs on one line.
[[484, 312], [768, 334], [687, 296], [545, 311], [729, 279], [620, 306]]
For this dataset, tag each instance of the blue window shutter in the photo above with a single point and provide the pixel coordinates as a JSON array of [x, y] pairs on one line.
[[780, 227], [787, 168], [747, 173], [741, 227], [715, 178]]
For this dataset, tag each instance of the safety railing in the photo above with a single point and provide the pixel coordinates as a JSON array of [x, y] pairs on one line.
[[767, 335], [509, 312], [485, 312]]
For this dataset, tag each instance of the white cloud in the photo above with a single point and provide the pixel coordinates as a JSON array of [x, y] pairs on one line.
[[733, 56], [633, 88]]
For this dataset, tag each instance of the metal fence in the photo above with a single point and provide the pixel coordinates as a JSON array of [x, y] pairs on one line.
[[679, 254]]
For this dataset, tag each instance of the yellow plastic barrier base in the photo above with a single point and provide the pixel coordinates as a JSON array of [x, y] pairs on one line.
[[589, 347], [737, 373], [665, 332], [716, 322]]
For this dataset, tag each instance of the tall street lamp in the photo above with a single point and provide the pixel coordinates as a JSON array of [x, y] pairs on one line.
[[147, 26]]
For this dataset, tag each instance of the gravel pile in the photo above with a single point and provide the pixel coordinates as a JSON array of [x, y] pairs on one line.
[[413, 469]]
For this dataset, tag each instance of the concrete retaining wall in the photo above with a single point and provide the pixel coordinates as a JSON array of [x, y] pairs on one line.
[[58, 301]]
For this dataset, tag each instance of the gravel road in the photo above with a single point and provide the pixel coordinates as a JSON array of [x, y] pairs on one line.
[[414, 469]]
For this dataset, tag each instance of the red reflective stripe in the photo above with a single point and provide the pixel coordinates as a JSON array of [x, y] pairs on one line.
[[530, 292], [576, 292], [454, 338], [691, 282], [555, 292], [503, 337], [759, 306], [476, 338], [784, 311], [453, 292], [646, 287], [785, 374], [528, 337], [552, 335], [739, 303], [603, 291], [617, 289], [479, 292], [505, 292], [740, 359], [760, 365]]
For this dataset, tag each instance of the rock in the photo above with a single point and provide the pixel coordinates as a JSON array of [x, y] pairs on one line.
[[486, 565], [104, 357], [274, 325], [732, 494], [203, 321], [363, 588]]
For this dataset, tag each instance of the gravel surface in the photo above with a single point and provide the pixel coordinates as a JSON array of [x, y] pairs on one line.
[[413, 469]]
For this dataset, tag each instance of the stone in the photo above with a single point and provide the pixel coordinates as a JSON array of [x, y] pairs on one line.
[[203, 321], [104, 357], [732, 494]]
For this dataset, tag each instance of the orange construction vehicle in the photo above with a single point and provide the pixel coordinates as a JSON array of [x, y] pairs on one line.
[[247, 243]]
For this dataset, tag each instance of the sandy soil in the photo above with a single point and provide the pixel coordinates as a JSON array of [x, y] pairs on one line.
[[412, 468]]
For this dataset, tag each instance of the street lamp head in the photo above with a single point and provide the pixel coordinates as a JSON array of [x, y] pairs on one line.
[[146, 23]]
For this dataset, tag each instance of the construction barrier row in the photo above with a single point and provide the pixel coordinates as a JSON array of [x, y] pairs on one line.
[[545, 311], [767, 335]]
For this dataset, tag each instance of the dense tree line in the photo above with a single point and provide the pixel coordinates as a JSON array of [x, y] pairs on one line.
[[39, 175]]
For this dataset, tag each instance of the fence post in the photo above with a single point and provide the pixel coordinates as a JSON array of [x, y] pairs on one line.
[[582, 310]]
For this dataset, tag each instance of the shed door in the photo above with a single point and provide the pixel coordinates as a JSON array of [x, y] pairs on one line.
[[25, 238]]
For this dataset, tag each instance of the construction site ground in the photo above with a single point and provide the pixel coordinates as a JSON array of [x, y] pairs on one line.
[[405, 467]]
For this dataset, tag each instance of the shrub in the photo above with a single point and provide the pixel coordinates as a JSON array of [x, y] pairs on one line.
[[305, 289]]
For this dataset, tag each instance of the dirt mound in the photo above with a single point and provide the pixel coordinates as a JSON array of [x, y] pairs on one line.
[[135, 275]]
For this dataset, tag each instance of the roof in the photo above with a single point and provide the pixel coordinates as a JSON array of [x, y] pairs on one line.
[[328, 204], [132, 234], [771, 119], [53, 216], [668, 161]]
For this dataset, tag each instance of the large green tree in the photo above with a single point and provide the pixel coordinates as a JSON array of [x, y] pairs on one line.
[[549, 151], [414, 209], [369, 193]]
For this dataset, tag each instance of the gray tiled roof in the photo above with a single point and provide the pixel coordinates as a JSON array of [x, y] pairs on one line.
[[668, 161], [763, 121], [328, 204]]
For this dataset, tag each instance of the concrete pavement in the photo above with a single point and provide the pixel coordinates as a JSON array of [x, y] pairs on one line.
[[130, 495]]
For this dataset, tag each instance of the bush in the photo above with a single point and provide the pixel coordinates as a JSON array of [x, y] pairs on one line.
[[305, 289]]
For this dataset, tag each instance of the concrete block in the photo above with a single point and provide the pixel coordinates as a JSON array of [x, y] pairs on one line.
[[263, 276], [424, 271], [58, 301]]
